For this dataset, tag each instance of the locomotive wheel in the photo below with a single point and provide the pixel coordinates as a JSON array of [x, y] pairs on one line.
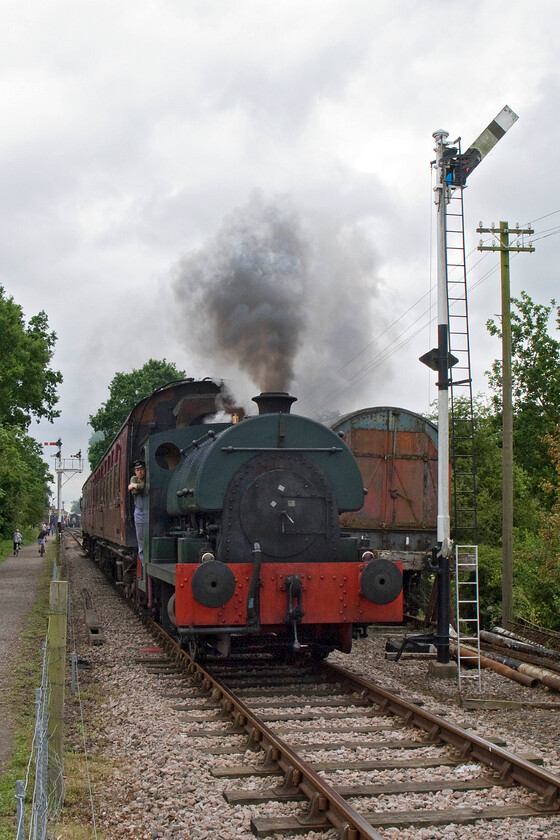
[[171, 610], [318, 652], [196, 651]]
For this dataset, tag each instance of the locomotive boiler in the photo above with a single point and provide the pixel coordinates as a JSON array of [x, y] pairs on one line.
[[243, 542]]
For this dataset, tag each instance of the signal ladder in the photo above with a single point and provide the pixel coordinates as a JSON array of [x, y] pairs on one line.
[[468, 618], [461, 432]]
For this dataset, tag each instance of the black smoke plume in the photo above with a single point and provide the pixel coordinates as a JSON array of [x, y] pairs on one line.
[[245, 292], [290, 298]]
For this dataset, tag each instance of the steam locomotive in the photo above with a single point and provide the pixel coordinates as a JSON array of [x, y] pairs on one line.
[[243, 544]]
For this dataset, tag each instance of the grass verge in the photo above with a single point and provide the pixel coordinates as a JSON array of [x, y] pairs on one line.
[[24, 679], [76, 821]]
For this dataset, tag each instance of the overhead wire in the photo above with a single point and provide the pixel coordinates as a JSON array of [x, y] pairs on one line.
[[402, 339]]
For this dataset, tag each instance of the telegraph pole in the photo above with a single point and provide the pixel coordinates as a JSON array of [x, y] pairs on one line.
[[504, 247]]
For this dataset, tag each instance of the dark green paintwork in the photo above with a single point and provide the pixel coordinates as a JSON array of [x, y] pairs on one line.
[[207, 471]]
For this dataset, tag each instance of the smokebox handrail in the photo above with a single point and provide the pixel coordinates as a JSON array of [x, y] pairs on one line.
[[330, 450]]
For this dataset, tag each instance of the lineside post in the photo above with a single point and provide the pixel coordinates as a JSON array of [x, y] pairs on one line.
[[58, 605], [504, 248]]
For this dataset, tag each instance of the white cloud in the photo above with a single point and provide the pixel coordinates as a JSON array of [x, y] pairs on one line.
[[131, 130]]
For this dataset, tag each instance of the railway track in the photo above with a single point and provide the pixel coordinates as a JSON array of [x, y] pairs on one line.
[[294, 718], [315, 750]]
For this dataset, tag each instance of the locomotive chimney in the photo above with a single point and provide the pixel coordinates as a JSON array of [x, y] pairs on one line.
[[274, 402]]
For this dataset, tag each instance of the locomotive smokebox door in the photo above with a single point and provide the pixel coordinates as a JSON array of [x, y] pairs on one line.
[[381, 581], [283, 512], [283, 501]]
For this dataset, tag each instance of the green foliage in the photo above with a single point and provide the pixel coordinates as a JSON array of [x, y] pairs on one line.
[[24, 481], [536, 593], [488, 448], [488, 464], [536, 471], [127, 389], [27, 383], [535, 385], [536, 586], [490, 585], [549, 539], [27, 389]]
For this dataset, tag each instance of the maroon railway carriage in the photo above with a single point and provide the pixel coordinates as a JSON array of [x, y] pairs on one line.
[[107, 506]]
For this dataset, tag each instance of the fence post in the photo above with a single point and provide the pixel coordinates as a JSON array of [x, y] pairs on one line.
[[20, 796], [40, 803], [57, 663], [74, 663]]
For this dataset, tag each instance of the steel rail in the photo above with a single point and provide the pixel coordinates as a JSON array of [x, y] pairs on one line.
[[469, 745], [325, 802], [326, 805]]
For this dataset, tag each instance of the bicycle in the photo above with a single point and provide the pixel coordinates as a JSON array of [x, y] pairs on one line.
[[41, 547], [16, 549]]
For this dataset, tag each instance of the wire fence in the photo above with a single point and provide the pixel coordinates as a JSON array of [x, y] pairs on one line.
[[44, 769]]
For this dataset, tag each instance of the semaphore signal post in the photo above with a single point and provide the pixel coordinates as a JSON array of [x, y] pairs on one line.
[[65, 468], [452, 167]]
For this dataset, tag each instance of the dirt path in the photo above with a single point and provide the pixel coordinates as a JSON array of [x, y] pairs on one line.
[[19, 578]]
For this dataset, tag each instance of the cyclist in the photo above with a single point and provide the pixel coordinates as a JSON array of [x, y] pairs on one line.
[[17, 541], [41, 539]]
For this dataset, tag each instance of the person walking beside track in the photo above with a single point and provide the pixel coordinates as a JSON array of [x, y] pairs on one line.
[[17, 541]]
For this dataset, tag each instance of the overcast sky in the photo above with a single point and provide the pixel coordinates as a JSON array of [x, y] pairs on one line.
[[145, 145]]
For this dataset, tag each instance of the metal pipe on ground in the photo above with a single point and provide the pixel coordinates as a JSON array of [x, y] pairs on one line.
[[548, 678], [530, 659], [497, 656], [515, 644], [466, 652], [534, 672]]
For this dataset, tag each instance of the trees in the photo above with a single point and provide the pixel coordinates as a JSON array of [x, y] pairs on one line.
[[535, 384], [536, 407], [488, 451], [27, 389], [126, 389], [27, 383], [24, 481]]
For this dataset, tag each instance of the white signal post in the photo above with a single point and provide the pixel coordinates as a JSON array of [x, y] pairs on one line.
[[452, 170], [440, 200], [65, 467], [440, 361]]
